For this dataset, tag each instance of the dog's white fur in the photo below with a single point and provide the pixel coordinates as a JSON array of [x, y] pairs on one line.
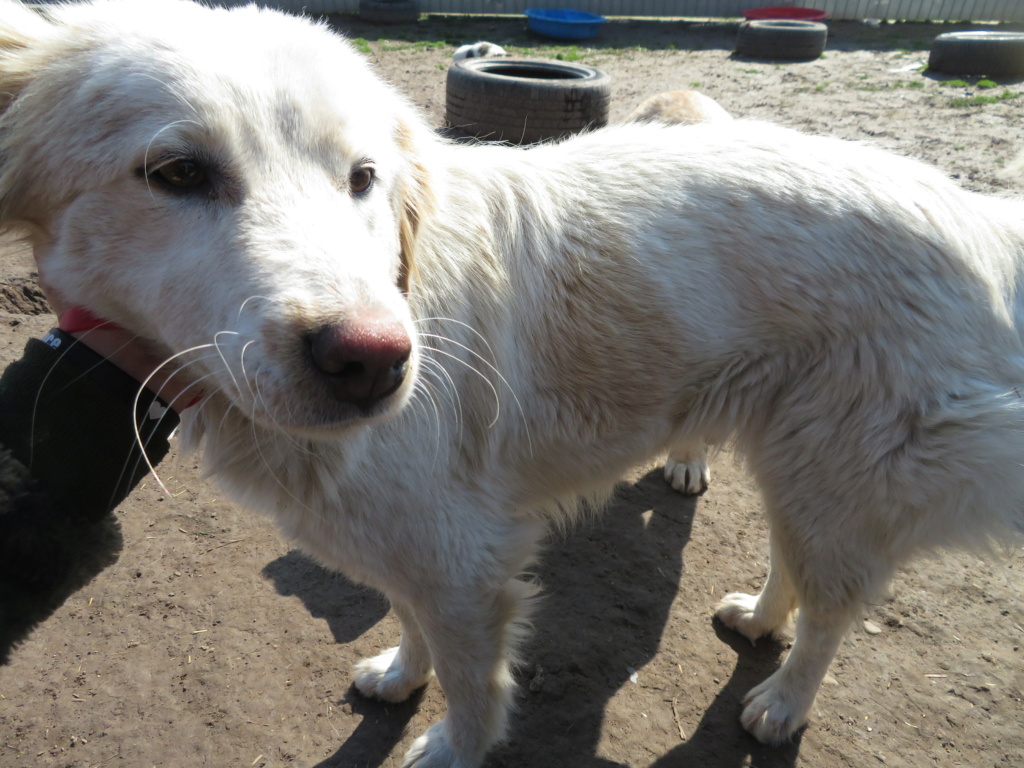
[[686, 470], [678, 107], [478, 50], [849, 318]]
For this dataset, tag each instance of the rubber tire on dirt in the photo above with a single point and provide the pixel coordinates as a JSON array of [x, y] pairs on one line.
[[389, 11], [781, 39], [524, 101], [979, 52]]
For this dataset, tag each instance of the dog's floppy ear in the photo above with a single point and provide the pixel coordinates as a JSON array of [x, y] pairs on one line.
[[24, 34], [415, 203], [27, 43]]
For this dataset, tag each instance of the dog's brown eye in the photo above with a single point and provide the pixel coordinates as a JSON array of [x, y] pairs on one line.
[[360, 180], [182, 174]]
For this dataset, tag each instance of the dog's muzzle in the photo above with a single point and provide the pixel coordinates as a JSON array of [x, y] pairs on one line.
[[361, 361]]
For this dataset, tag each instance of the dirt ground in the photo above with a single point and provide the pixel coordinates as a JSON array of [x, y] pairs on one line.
[[200, 638]]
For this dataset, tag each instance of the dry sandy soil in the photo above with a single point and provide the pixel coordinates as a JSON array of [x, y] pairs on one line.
[[199, 638]]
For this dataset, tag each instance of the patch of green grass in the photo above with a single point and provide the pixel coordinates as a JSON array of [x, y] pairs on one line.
[[979, 101], [423, 45], [984, 84], [955, 83], [695, 84], [562, 53], [822, 86], [572, 53], [670, 47], [362, 46]]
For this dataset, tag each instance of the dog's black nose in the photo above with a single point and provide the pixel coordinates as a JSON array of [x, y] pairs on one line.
[[362, 361]]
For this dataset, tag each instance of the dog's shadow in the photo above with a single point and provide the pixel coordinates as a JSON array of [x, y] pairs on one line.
[[348, 609], [608, 587]]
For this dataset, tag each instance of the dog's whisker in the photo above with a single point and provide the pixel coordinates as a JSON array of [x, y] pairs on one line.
[[174, 91], [430, 394], [434, 368], [257, 442], [241, 366], [243, 305], [478, 372], [258, 399], [426, 409], [135, 406], [446, 383], [143, 455], [145, 383], [498, 373], [504, 381], [467, 326], [227, 366]]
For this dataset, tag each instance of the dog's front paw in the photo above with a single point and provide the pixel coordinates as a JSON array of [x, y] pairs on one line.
[[770, 715], [690, 476], [433, 750], [738, 612], [384, 677]]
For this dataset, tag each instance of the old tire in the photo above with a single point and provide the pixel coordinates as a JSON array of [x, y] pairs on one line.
[[524, 101], [389, 11], [981, 52], [782, 39]]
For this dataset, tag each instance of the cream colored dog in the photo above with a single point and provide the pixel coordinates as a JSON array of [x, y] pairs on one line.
[[419, 354], [678, 107]]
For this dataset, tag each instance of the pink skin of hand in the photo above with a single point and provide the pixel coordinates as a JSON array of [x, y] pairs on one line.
[[135, 356]]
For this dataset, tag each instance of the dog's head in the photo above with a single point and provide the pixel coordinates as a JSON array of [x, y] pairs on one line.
[[235, 185]]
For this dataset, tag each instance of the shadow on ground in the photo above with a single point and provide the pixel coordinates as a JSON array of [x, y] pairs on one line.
[[594, 626]]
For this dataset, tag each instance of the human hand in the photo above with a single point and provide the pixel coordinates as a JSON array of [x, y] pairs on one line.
[[139, 358]]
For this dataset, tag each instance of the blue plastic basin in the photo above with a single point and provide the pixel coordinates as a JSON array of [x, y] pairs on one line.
[[563, 23]]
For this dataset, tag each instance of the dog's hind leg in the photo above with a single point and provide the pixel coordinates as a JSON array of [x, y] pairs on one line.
[[686, 469], [396, 673], [818, 574]]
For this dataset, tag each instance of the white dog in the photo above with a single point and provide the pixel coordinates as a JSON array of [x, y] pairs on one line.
[[680, 107], [418, 354], [479, 50]]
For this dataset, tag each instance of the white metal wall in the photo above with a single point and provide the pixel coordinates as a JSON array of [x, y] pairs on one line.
[[936, 10]]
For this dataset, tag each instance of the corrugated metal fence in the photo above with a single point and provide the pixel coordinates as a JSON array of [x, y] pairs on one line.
[[935, 10]]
